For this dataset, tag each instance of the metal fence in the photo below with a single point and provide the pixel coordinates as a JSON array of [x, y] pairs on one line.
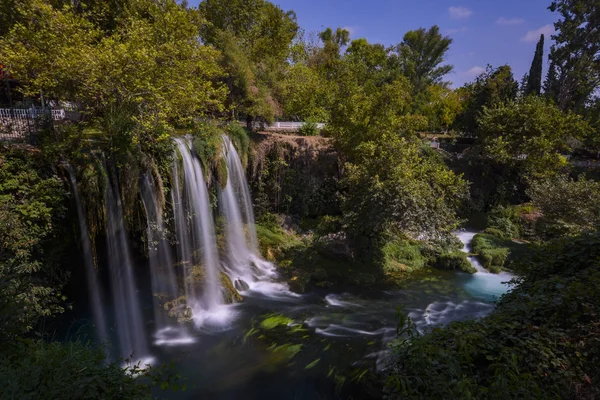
[[21, 124]]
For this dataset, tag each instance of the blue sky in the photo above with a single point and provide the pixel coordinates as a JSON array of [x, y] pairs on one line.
[[484, 31]]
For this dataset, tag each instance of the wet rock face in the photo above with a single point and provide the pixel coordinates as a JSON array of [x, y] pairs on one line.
[[230, 293], [294, 175], [241, 285]]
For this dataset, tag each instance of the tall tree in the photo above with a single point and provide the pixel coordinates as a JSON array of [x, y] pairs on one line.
[[575, 57], [493, 87], [534, 79], [420, 56]]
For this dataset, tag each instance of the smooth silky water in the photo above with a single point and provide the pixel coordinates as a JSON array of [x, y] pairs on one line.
[[325, 336]]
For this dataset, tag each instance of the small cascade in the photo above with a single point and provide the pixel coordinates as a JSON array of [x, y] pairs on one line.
[[92, 277], [164, 281], [483, 284], [466, 238], [208, 308], [132, 339], [245, 267]]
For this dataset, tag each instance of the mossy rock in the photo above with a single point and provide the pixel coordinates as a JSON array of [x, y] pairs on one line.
[[455, 261], [492, 251], [230, 294], [178, 309], [222, 174]]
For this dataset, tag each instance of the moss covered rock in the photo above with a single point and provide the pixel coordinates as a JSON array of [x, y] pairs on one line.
[[455, 261], [230, 294]]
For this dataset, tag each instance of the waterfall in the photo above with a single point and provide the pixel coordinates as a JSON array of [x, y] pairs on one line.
[[132, 339], [246, 268], [94, 292], [208, 308], [162, 272]]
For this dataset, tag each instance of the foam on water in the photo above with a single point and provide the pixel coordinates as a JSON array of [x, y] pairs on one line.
[[173, 336]]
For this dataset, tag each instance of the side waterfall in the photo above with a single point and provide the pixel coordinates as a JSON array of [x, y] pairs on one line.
[[92, 277], [210, 307], [245, 267], [132, 339], [162, 273]]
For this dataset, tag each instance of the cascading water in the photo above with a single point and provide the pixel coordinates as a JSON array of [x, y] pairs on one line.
[[162, 268], [246, 268], [94, 292], [132, 339], [483, 284], [209, 308]]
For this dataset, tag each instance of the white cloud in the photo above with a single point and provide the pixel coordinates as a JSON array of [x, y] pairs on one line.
[[459, 12], [534, 36], [457, 30], [510, 21], [351, 29], [475, 71]]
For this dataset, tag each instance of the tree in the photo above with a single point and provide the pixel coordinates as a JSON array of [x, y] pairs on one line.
[[491, 88], [420, 54], [568, 207], [534, 79], [530, 134], [440, 105], [574, 74]]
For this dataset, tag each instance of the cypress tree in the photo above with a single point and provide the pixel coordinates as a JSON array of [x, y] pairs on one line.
[[534, 82]]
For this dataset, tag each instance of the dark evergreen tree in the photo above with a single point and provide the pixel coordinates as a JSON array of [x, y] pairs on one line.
[[534, 80], [576, 53]]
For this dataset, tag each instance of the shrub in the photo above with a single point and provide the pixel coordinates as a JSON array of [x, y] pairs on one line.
[[492, 251], [402, 256], [309, 128], [455, 261]]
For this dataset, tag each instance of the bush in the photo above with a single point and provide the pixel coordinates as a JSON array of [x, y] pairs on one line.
[[505, 221], [455, 261], [309, 128], [402, 256], [492, 251], [39, 370]]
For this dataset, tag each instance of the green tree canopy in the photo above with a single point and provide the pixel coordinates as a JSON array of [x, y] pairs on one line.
[[574, 74], [420, 55]]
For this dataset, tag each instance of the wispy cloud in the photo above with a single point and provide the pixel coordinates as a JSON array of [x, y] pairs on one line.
[[351, 29], [510, 21], [459, 12], [475, 71], [533, 36], [457, 30]]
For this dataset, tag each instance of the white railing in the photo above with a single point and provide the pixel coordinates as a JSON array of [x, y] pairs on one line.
[[30, 113], [291, 126]]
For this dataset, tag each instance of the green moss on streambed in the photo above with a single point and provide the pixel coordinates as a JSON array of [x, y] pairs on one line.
[[289, 343]]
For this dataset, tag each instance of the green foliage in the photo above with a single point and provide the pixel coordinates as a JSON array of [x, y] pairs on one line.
[[402, 256], [420, 54], [574, 73], [31, 210], [540, 342], [568, 206], [454, 261], [530, 134], [492, 251], [34, 369], [490, 89], [534, 81], [504, 222], [151, 68], [309, 128]]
